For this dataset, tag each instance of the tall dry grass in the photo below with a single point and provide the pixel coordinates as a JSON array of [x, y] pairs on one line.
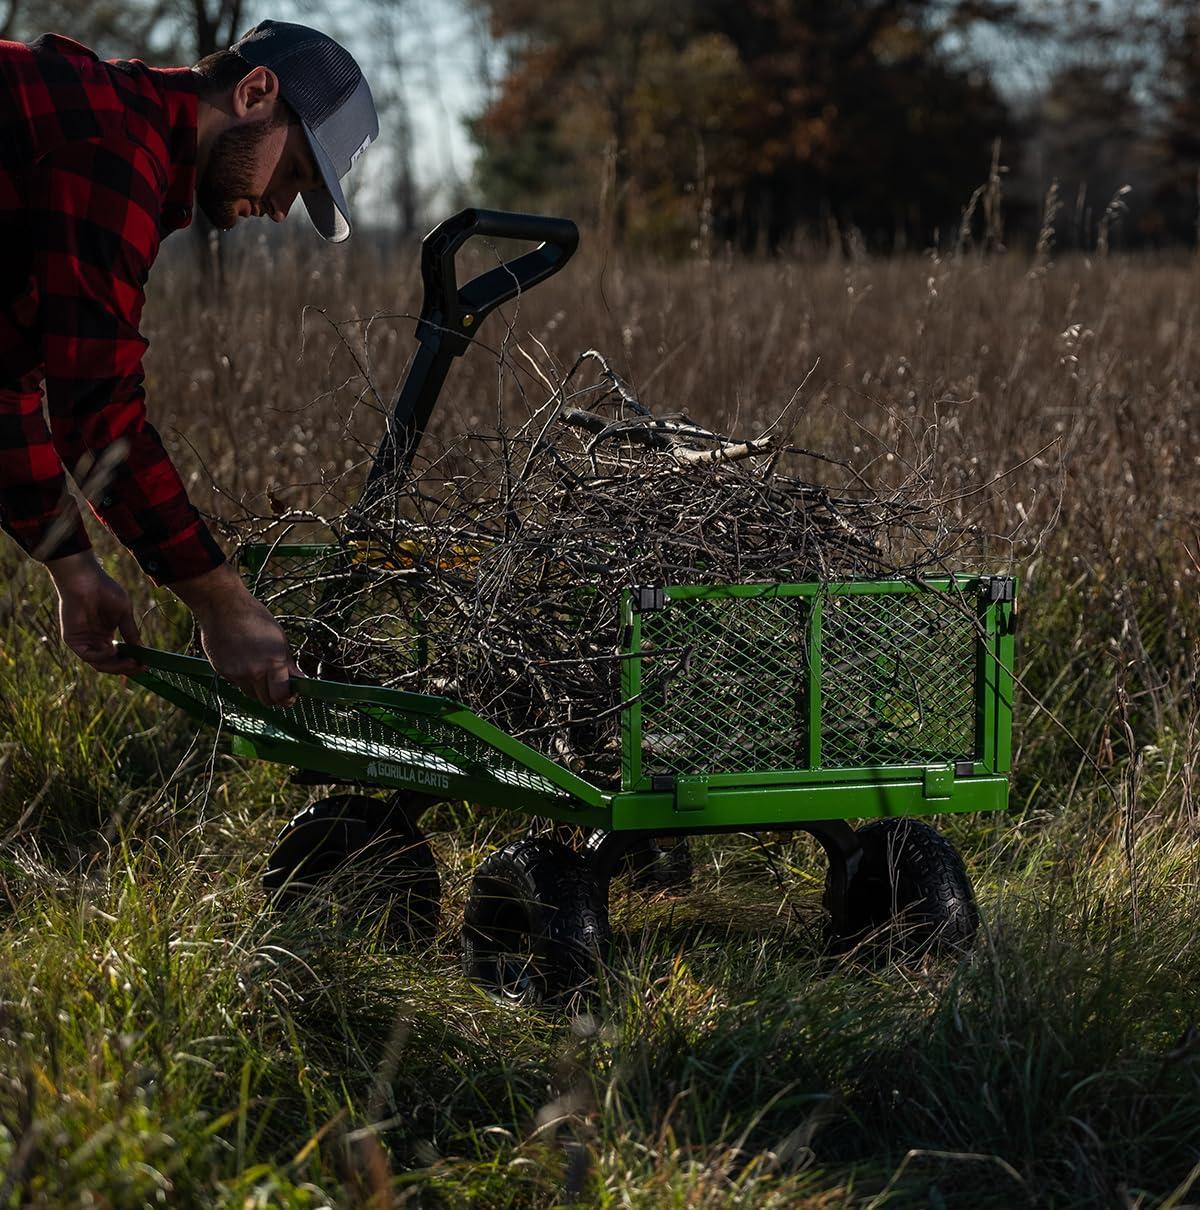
[[1052, 401], [161, 1039]]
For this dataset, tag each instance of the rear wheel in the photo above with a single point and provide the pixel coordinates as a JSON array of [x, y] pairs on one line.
[[909, 895], [661, 864], [657, 864], [535, 928], [360, 858]]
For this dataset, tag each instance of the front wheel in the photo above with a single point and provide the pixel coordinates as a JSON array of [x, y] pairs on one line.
[[910, 894], [362, 858], [535, 927]]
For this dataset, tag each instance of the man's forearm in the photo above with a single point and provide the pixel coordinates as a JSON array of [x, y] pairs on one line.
[[205, 595], [72, 569], [241, 639]]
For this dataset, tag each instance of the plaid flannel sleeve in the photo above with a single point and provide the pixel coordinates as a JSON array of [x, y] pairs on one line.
[[36, 509], [95, 208]]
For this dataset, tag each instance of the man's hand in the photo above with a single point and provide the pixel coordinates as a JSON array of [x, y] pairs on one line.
[[241, 639], [91, 605]]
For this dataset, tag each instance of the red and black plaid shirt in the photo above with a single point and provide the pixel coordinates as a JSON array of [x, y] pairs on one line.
[[97, 165]]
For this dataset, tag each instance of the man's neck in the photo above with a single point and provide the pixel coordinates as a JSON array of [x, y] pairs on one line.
[[210, 122]]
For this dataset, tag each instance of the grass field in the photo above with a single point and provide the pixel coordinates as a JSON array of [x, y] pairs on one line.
[[165, 1041]]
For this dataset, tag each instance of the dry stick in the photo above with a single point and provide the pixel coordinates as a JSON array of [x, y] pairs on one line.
[[96, 480]]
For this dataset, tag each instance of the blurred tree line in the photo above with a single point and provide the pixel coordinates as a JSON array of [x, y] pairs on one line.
[[688, 124], [682, 123]]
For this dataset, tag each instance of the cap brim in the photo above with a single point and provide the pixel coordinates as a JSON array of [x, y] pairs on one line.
[[327, 207]]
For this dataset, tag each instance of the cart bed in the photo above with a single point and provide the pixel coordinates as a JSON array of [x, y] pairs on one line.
[[742, 706]]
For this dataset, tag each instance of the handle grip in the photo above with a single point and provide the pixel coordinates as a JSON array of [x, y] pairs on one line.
[[455, 313], [504, 224]]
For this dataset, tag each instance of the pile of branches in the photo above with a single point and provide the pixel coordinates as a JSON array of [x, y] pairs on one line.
[[494, 576]]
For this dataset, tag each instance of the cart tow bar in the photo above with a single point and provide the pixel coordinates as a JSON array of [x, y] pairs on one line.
[[450, 318]]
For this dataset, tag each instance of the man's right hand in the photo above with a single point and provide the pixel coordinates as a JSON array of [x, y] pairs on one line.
[[91, 606], [242, 640]]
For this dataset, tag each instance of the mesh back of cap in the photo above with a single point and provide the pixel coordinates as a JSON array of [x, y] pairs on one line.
[[317, 78]]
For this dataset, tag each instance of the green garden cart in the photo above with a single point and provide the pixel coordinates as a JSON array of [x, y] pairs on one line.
[[786, 707]]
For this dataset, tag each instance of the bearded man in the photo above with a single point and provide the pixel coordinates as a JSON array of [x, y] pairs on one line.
[[99, 161]]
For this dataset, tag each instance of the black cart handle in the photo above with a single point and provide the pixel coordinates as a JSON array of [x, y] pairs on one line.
[[454, 312], [451, 316]]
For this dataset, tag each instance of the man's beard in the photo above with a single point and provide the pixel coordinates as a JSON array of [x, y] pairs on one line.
[[229, 174]]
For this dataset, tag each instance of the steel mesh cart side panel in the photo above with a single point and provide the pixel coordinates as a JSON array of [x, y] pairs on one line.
[[996, 658], [803, 683], [378, 736], [900, 680], [333, 599], [631, 695], [723, 684], [291, 579]]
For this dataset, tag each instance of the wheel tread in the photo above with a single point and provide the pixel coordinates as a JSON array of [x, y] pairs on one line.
[[356, 823], [544, 872], [908, 866]]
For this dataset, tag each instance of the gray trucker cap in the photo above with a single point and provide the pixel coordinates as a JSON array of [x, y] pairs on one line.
[[321, 81]]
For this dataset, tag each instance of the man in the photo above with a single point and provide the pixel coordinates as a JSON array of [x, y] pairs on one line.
[[98, 162]]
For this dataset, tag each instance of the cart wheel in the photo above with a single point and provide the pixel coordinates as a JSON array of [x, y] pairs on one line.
[[536, 923], [371, 860], [660, 865], [656, 864], [910, 894]]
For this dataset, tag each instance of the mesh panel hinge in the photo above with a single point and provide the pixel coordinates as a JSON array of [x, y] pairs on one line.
[[1000, 588], [647, 598], [691, 791], [939, 781]]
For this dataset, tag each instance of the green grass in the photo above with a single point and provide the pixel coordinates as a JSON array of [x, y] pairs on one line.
[[165, 1040]]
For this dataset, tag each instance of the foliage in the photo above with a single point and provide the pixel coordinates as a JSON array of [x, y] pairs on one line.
[[166, 30], [702, 121], [1092, 135], [741, 121], [1179, 130]]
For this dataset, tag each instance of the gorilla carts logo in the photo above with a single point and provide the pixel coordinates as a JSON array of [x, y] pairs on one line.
[[409, 773]]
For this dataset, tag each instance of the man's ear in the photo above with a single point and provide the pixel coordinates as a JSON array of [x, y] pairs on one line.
[[255, 93]]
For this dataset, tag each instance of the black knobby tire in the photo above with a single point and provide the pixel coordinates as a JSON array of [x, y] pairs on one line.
[[535, 929], [910, 894], [368, 859], [659, 865]]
